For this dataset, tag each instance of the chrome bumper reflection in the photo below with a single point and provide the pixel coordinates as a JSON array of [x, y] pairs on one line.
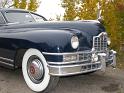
[[73, 69], [82, 66]]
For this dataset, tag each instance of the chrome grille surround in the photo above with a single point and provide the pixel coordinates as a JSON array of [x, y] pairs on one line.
[[100, 42]]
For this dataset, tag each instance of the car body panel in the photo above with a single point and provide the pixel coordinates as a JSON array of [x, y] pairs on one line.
[[47, 36]]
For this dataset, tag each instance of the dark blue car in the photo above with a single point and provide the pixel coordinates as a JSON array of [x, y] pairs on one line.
[[48, 50]]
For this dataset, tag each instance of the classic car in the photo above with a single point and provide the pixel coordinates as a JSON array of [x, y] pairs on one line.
[[47, 50]]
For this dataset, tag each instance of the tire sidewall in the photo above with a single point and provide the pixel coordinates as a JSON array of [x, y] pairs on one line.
[[44, 83]]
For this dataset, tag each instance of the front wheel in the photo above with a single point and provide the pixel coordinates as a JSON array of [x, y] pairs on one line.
[[36, 73]]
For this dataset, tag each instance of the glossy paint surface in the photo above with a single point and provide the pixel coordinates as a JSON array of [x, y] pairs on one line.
[[52, 37]]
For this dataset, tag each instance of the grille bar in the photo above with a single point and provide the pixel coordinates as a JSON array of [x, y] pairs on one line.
[[100, 42]]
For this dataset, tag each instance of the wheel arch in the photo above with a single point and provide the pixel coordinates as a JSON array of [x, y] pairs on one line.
[[19, 57]]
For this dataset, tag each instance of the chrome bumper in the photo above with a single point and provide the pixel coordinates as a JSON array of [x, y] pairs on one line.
[[73, 69], [65, 69]]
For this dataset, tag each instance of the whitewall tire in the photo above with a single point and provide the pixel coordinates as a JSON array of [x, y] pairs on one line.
[[36, 73]]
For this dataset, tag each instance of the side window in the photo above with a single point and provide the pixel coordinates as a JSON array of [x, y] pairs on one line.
[[37, 17], [2, 21]]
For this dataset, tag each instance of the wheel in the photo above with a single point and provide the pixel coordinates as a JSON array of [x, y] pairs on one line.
[[36, 73]]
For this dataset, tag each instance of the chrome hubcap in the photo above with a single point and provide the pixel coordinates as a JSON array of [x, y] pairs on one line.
[[35, 70]]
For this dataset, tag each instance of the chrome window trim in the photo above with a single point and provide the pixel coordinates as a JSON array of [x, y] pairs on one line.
[[3, 18]]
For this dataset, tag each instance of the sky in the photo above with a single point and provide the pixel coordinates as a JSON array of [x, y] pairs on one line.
[[50, 9]]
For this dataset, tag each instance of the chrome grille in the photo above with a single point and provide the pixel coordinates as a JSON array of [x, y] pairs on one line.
[[100, 42], [85, 56]]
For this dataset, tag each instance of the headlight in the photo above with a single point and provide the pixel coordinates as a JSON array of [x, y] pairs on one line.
[[74, 42], [108, 41]]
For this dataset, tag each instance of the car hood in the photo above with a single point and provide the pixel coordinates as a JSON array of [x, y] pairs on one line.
[[54, 33], [91, 28]]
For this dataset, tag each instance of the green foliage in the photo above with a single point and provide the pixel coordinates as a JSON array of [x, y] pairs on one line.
[[70, 12], [16, 3], [31, 5], [88, 9], [111, 23], [22, 4], [120, 15]]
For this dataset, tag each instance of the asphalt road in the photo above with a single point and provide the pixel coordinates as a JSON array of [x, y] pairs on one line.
[[112, 81]]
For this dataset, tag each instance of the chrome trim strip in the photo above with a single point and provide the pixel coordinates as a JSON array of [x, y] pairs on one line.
[[101, 34], [62, 63], [72, 62], [76, 65], [67, 53], [7, 59], [68, 74], [6, 64]]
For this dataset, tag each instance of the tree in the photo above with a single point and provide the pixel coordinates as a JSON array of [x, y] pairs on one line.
[[70, 12], [22, 4], [5, 3], [88, 9], [31, 5], [16, 3], [111, 22], [120, 14]]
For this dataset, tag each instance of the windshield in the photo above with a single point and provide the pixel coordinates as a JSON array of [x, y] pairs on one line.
[[19, 17]]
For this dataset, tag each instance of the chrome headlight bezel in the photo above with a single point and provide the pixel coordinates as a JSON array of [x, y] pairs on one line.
[[74, 42]]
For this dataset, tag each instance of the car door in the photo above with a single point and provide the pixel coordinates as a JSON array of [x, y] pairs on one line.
[[6, 54]]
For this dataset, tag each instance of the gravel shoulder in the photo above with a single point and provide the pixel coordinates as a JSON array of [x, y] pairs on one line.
[[112, 81]]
